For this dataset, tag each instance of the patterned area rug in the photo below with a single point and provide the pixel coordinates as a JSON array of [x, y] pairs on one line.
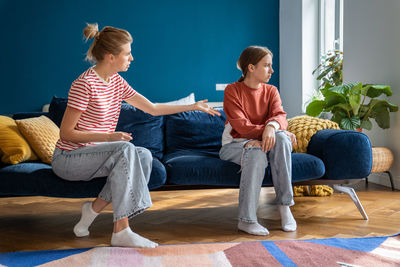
[[369, 251]]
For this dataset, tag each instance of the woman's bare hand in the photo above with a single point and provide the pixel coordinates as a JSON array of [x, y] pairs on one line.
[[119, 136], [202, 106]]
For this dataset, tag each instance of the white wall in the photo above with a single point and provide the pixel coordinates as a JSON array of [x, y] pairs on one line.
[[371, 49], [290, 80], [299, 52]]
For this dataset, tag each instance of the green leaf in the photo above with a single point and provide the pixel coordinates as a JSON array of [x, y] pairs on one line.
[[333, 100], [338, 115], [356, 89], [382, 117], [354, 101], [350, 123], [365, 88], [367, 124], [376, 90], [377, 103], [323, 74], [315, 108], [345, 107], [363, 110], [343, 89]]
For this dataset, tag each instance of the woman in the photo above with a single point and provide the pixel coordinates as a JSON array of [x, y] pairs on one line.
[[255, 135], [89, 147]]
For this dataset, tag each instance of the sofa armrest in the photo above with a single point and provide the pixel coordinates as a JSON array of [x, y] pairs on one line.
[[346, 154]]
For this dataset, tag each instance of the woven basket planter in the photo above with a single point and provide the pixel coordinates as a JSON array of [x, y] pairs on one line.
[[382, 159]]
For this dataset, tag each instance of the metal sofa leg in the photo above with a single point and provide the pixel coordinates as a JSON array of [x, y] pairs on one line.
[[391, 179], [350, 191]]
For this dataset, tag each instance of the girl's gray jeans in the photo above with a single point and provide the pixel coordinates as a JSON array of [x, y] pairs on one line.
[[126, 166], [253, 162]]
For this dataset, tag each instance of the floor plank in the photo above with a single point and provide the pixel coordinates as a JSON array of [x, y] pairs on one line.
[[197, 216]]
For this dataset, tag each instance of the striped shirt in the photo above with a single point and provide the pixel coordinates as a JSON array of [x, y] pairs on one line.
[[100, 102]]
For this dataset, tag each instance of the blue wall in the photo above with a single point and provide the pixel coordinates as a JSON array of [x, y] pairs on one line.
[[180, 46]]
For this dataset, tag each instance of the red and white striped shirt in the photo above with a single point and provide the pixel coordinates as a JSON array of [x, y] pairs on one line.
[[100, 102]]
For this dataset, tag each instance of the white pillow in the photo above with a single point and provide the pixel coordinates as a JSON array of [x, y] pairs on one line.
[[183, 101]]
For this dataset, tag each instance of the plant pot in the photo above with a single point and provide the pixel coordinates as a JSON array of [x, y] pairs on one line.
[[359, 130]]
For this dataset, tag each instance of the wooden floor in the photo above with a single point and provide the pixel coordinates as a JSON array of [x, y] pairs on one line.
[[196, 216]]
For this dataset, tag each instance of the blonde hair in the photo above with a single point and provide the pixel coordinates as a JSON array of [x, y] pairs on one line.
[[251, 55], [108, 41]]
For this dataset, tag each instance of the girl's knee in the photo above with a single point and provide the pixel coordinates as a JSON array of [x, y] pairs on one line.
[[255, 156], [282, 138]]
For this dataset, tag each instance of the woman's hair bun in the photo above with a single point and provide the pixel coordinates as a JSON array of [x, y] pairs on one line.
[[91, 31]]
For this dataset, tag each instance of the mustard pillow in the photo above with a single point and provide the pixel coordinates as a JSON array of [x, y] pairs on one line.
[[13, 147], [42, 134]]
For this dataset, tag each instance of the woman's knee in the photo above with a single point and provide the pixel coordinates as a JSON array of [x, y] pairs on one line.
[[144, 154]]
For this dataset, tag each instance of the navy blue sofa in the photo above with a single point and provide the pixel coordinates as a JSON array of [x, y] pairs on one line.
[[185, 150]]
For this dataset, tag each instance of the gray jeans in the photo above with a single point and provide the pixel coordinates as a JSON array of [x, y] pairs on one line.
[[253, 162], [126, 166]]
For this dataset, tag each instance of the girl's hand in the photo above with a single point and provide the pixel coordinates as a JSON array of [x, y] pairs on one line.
[[202, 106], [119, 136], [268, 138], [292, 138]]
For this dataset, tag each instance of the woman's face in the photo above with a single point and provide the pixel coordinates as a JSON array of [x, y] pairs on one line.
[[124, 58], [263, 69]]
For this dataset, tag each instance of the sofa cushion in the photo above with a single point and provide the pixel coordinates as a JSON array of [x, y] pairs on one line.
[[42, 135], [194, 130], [147, 131], [57, 108], [38, 179], [13, 146], [186, 167]]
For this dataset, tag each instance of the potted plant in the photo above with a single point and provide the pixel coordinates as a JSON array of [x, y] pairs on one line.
[[331, 68], [348, 105]]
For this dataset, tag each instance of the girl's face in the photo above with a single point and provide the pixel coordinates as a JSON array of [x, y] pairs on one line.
[[262, 71], [122, 61]]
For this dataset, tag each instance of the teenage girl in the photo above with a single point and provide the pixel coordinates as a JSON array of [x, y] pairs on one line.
[[255, 135], [89, 147]]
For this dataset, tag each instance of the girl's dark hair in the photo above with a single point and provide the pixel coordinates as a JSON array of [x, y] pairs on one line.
[[251, 55], [109, 40]]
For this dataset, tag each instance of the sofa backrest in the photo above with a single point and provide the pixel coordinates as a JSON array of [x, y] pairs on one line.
[[187, 130], [194, 130], [147, 131]]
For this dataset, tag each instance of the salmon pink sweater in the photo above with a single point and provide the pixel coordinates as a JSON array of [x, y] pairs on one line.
[[249, 110]]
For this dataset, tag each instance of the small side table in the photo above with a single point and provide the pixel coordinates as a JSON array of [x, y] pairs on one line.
[[382, 160]]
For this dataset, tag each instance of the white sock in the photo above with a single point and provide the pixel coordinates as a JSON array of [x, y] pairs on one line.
[[288, 222], [127, 238], [252, 228], [88, 215]]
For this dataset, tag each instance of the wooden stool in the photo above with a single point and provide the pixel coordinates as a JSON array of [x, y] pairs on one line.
[[382, 160]]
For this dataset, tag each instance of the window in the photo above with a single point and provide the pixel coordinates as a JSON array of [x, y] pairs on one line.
[[331, 25]]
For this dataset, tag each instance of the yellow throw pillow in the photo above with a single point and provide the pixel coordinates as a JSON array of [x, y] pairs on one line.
[[42, 134], [304, 127], [13, 147]]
